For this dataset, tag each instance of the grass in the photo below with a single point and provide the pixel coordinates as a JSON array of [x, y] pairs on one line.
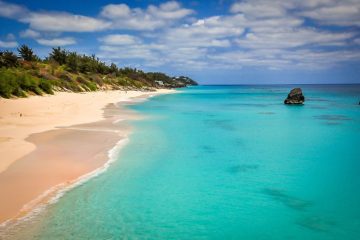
[[21, 82], [15, 82]]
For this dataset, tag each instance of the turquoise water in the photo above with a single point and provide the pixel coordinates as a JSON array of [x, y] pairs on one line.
[[220, 162]]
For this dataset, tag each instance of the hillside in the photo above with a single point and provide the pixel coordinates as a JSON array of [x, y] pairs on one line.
[[26, 74]]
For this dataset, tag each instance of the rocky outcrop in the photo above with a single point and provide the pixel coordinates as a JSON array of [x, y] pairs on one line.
[[295, 97]]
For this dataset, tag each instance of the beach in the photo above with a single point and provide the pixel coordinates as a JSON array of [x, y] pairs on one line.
[[209, 162], [48, 142]]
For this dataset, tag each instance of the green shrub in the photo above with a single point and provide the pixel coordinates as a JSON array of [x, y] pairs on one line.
[[64, 70], [96, 79], [18, 92], [138, 84], [9, 85], [92, 86], [8, 59], [81, 80], [46, 86], [122, 81], [29, 83], [6, 88], [72, 86]]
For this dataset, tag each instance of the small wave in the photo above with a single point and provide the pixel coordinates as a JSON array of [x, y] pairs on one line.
[[118, 120]]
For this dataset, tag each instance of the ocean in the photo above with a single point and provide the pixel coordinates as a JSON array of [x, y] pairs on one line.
[[226, 162]]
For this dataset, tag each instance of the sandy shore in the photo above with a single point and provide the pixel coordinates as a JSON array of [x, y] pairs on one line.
[[53, 140]]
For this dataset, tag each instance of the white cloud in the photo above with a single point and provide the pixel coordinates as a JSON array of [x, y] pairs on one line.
[[132, 52], [169, 10], [64, 22], [8, 44], [117, 16], [120, 39], [52, 21], [209, 32], [154, 17], [56, 41], [10, 10], [290, 38], [114, 11], [329, 12], [216, 26], [342, 13], [154, 55], [29, 33], [316, 3], [285, 59], [256, 9], [235, 41]]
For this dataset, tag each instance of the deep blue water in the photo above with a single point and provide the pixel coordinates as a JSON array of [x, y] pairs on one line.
[[227, 162]]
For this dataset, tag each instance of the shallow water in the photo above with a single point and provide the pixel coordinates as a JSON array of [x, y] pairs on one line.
[[221, 162]]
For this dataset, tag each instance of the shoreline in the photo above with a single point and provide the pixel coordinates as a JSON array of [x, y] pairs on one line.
[[39, 178], [19, 118], [10, 228]]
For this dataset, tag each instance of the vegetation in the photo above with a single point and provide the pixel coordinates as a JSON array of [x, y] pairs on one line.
[[8, 59], [27, 53], [27, 74]]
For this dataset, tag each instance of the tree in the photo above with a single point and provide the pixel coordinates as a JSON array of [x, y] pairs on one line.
[[27, 53], [85, 65], [113, 68], [8, 59], [59, 55], [72, 61], [101, 67]]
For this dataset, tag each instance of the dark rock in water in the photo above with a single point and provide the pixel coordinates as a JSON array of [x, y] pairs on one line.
[[295, 97]]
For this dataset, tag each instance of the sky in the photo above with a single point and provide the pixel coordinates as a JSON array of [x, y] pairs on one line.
[[214, 42]]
